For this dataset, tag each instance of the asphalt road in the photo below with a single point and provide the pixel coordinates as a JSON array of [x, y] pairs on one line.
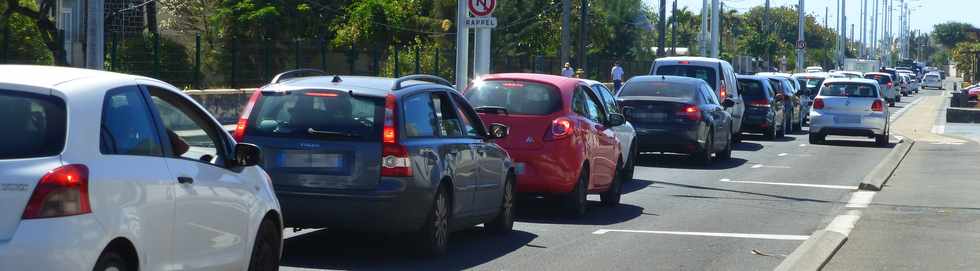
[[743, 214]]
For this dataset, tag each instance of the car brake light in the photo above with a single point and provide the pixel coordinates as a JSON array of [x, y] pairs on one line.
[[239, 134], [890, 84], [877, 106], [321, 94], [691, 112], [394, 157], [683, 62], [560, 128], [61, 192], [723, 93], [818, 103], [759, 103]]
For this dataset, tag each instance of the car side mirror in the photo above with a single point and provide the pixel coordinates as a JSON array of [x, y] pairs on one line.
[[498, 131], [247, 155], [616, 120], [728, 103]]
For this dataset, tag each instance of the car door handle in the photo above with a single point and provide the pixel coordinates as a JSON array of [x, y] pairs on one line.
[[185, 180]]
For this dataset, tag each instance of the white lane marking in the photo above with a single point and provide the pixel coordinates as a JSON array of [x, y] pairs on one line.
[[757, 166], [939, 129], [783, 154], [860, 199], [845, 187], [844, 223], [802, 145], [715, 234], [766, 166]]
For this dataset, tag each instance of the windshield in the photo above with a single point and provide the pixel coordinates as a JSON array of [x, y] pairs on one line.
[[33, 125], [658, 89], [517, 97], [849, 90], [317, 114], [700, 72]]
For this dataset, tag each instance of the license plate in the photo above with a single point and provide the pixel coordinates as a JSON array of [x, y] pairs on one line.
[[847, 119], [644, 116], [308, 159]]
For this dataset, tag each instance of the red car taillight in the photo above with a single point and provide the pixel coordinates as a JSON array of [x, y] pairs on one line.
[[61, 192], [818, 103], [723, 93], [877, 106], [239, 134], [560, 128], [890, 84], [690, 112], [759, 103], [394, 157]]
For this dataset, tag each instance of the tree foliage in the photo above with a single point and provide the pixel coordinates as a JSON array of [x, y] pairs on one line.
[[951, 33]]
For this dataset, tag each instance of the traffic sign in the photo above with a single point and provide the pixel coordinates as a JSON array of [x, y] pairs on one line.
[[800, 44], [480, 22], [481, 8]]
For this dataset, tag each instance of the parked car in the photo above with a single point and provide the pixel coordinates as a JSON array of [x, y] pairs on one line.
[[624, 133], [931, 80], [563, 142], [793, 109], [107, 171], [679, 115], [719, 75], [886, 85], [849, 107], [393, 155], [765, 111], [973, 93]]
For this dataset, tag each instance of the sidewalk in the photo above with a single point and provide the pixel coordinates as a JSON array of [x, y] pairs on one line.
[[928, 215]]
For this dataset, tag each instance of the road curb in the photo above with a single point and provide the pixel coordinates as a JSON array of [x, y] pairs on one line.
[[875, 180], [815, 252]]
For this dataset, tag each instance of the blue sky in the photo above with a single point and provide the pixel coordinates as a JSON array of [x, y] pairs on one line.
[[925, 13]]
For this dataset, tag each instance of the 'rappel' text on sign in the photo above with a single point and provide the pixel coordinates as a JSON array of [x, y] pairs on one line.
[[480, 22]]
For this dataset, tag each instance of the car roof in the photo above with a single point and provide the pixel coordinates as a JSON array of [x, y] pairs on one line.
[[365, 85], [50, 77], [669, 78], [565, 83], [782, 74], [850, 80], [752, 77], [691, 58], [590, 81], [811, 74]]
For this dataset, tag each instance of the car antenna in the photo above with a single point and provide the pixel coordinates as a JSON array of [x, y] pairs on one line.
[[336, 79]]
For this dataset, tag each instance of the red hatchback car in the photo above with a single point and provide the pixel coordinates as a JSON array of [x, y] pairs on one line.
[[560, 137]]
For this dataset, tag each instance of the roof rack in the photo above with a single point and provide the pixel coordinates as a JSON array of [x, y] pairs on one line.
[[420, 77], [296, 74]]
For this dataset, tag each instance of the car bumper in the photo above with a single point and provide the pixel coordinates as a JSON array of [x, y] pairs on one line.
[[63, 243], [392, 208], [870, 124], [756, 122], [669, 140], [545, 174]]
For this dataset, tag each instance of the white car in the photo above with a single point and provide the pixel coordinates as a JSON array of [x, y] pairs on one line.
[[814, 69], [849, 107], [106, 171], [931, 80], [624, 133]]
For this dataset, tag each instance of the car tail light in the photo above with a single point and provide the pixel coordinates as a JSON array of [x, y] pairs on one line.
[[394, 157], [818, 103], [560, 128], [878, 106], [690, 112], [759, 103], [890, 84], [239, 134], [61, 192], [723, 93]]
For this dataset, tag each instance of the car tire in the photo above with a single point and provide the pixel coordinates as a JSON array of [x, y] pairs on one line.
[[434, 237], [817, 138], [630, 168], [265, 250], [611, 197], [727, 153], [577, 200], [704, 156], [504, 222], [891, 104], [771, 132], [881, 140], [898, 99], [782, 131], [111, 260]]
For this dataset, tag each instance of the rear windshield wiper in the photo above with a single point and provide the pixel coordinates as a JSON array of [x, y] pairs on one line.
[[492, 110], [331, 133]]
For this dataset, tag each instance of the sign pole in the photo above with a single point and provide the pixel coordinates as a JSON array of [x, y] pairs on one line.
[[462, 46], [481, 56]]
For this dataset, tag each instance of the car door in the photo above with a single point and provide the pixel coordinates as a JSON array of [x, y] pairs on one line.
[[133, 176], [492, 170], [624, 133], [460, 154], [718, 121], [604, 156], [734, 94], [213, 203]]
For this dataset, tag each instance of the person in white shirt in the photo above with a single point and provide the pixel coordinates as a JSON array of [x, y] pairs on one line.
[[617, 76], [568, 71]]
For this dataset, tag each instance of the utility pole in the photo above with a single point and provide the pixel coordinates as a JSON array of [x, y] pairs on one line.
[[462, 46], [874, 32], [95, 35], [566, 30], [843, 31], [801, 39], [765, 30], [583, 36], [826, 16], [715, 27], [704, 28], [864, 27], [662, 29], [673, 30]]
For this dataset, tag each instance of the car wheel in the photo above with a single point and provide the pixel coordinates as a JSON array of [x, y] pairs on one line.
[[577, 199], [727, 153], [612, 196], [630, 168], [816, 138], [799, 125], [898, 99], [265, 251], [891, 104], [771, 132], [881, 140], [504, 222], [704, 156], [111, 261], [435, 233], [782, 131]]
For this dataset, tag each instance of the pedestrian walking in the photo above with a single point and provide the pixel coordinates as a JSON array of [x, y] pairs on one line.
[[617, 76], [568, 71]]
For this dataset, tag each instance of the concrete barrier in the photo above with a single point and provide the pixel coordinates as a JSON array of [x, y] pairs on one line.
[[963, 115], [814, 253], [876, 179]]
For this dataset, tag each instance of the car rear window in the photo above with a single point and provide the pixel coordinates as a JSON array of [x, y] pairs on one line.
[[33, 125], [882, 79], [518, 97], [317, 114], [700, 72], [658, 89], [849, 90], [751, 88], [811, 83]]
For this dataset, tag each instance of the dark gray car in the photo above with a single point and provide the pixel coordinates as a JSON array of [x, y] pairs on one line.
[[380, 155]]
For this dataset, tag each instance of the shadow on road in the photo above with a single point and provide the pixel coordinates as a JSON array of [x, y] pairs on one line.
[[550, 210], [325, 249], [747, 146], [635, 185], [760, 137], [856, 142], [685, 162], [735, 191]]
